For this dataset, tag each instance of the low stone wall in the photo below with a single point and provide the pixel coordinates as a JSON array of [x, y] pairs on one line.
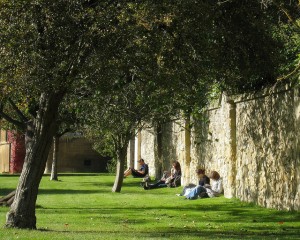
[[252, 140]]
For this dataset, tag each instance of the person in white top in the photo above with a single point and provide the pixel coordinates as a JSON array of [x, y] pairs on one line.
[[216, 187], [213, 190]]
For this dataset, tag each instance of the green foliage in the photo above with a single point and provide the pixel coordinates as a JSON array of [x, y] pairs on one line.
[[82, 206], [112, 166]]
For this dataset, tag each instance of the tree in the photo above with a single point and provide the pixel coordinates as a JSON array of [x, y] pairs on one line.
[[111, 120], [67, 123], [47, 50]]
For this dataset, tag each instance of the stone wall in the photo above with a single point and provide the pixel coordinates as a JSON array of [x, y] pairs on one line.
[[148, 149], [252, 140], [268, 148]]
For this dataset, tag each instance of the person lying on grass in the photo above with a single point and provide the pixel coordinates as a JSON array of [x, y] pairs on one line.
[[171, 179], [213, 190], [142, 172], [203, 180]]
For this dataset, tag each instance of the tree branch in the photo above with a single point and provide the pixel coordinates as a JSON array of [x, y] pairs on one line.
[[17, 110], [288, 15], [289, 74], [63, 132], [20, 125]]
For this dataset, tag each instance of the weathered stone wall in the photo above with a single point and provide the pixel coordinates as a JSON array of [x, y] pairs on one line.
[[252, 140], [214, 142], [148, 149], [268, 148], [159, 147]]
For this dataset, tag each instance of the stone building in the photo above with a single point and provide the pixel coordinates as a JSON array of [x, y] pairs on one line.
[[252, 140], [75, 154]]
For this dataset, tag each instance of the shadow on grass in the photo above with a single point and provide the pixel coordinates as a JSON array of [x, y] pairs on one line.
[[102, 189], [9, 175], [5, 191], [188, 211], [79, 174], [182, 233], [69, 191]]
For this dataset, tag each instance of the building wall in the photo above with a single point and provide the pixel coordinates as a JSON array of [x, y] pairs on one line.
[[4, 152], [17, 151], [148, 149], [268, 149], [252, 140], [76, 154], [12, 151]]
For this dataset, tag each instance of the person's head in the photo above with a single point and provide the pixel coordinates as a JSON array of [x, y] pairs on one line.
[[200, 172], [176, 165], [214, 175], [141, 161]]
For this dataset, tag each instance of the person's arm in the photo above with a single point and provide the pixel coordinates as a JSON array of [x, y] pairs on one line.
[[174, 173], [201, 182], [218, 186], [142, 170], [206, 180]]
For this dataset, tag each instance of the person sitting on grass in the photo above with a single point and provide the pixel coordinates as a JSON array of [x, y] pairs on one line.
[[142, 172], [213, 190], [171, 180], [203, 180]]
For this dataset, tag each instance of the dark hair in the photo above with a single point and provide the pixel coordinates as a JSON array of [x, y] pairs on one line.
[[214, 175], [200, 171], [177, 166], [141, 160]]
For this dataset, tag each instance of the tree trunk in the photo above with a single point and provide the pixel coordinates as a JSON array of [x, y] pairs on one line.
[[121, 157], [38, 139], [53, 176]]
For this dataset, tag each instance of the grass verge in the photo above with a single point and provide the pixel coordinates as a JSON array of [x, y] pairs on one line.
[[82, 206]]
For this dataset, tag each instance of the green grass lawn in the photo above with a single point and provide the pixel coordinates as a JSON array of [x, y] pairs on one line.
[[82, 206]]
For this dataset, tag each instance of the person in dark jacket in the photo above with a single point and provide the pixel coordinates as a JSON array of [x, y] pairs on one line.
[[142, 172], [203, 180]]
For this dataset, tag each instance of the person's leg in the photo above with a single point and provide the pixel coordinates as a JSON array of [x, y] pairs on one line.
[[162, 185], [155, 185], [195, 192], [127, 172], [191, 185]]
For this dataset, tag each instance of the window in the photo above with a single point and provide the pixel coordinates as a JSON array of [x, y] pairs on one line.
[[87, 162]]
